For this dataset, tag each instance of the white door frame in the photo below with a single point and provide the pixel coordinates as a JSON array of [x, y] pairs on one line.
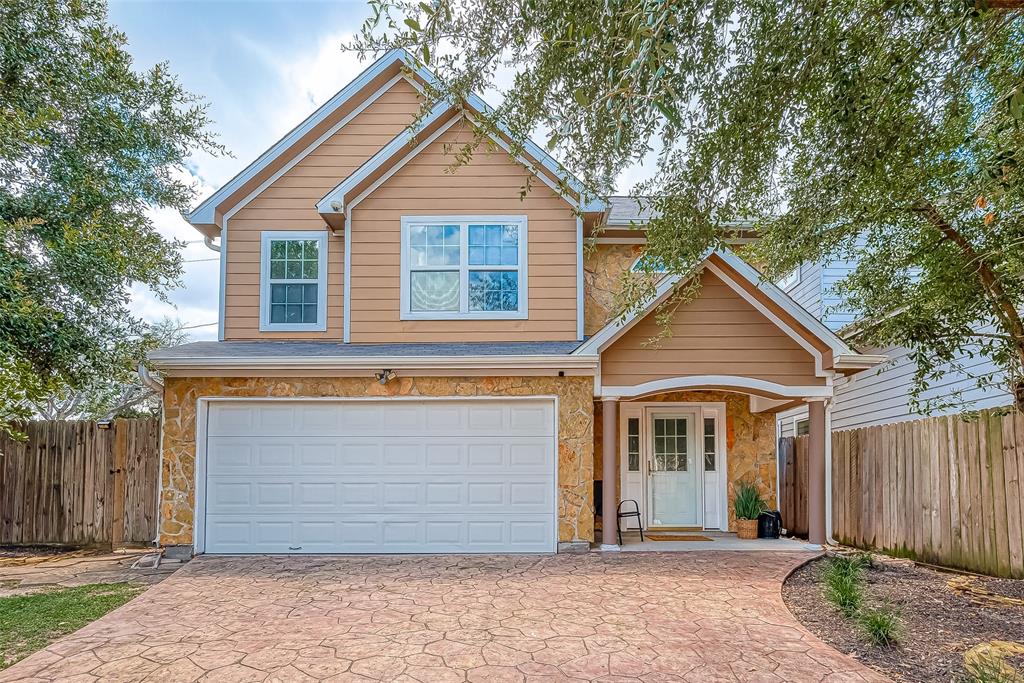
[[629, 479], [203, 413]]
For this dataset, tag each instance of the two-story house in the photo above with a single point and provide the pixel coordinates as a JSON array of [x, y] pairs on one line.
[[414, 357], [881, 395]]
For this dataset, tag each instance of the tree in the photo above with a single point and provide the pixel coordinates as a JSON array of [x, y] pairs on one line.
[[889, 130], [120, 392], [87, 146]]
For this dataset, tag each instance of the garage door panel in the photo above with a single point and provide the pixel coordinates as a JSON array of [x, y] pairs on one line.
[[389, 476], [423, 454], [401, 418], [435, 495], [390, 534]]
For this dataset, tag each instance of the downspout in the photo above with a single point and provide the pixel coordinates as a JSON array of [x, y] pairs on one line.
[[210, 244], [157, 387], [149, 381]]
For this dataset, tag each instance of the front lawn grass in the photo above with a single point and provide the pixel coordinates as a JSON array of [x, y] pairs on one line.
[[31, 622]]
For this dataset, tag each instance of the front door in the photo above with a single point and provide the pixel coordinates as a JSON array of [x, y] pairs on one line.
[[674, 474]]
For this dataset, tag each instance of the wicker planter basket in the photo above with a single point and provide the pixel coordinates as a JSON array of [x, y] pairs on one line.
[[746, 529]]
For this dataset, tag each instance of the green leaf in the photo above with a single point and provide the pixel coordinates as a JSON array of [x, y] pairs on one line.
[[413, 24], [668, 112]]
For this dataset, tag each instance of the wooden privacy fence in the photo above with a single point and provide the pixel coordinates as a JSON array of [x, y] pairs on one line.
[[77, 483], [946, 490], [793, 484]]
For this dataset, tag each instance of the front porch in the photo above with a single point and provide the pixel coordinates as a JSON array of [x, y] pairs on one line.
[[680, 455], [685, 396], [715, 541]]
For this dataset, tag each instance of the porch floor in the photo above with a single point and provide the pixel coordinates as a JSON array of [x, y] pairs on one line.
[[719, 541]]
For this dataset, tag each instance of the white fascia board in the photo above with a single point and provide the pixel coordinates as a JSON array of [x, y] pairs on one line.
[[388, 151], [554, 362], [587, 203], [205, 213], [815, 326]]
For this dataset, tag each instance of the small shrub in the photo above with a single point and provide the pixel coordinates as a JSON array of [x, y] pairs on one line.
[[880, 626], [748, 503], [842, 577], [844, 591]]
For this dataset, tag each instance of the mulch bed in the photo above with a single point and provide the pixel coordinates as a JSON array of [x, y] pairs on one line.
[[939, 624]]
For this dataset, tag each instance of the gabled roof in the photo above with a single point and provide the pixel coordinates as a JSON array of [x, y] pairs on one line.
[[208, 216], [775, 304], [336, 204]]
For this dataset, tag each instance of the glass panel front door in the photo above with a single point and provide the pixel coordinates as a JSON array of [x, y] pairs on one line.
[[674, 472]]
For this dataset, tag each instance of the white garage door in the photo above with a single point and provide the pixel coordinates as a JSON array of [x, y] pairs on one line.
[[392, 476]]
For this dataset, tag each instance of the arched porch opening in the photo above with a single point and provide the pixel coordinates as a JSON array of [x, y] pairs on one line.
[[681, 445]]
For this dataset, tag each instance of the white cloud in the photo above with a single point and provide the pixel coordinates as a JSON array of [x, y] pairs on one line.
[[305, 81]]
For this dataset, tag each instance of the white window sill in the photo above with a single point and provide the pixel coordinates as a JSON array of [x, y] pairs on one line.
[[285, 327], [498, 315]]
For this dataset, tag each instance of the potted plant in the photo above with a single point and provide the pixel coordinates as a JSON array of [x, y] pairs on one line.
[[748, 504]]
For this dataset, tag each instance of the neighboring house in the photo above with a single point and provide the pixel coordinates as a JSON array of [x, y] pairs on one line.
[[881, 395], [416, 358]]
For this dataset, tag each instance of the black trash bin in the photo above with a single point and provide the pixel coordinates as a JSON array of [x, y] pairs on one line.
[[768, 524]]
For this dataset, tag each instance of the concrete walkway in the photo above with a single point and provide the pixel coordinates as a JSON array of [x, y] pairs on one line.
[[22, 573], [712, 616]]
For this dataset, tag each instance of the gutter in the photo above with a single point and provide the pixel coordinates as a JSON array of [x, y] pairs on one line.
[[858, 361], [561, 362]]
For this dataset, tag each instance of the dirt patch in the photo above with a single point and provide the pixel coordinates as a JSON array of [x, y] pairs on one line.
[[940, 622]]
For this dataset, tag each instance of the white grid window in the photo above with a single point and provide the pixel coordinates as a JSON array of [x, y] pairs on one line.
[[463, 267], [293, 281]]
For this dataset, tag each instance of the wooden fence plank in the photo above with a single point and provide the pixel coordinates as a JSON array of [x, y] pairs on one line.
[[1000, 515], [1013, 493], [987, 512]]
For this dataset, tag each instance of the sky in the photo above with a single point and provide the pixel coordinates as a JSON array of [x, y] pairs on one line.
[[263, 67]]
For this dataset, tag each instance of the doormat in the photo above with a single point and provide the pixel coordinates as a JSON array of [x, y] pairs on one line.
[[676, 537]]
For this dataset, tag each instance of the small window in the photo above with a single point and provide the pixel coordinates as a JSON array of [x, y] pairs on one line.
[[648, 264], [710, 444], [790, 280], [293, 281], [459, 267], [802, 427], [633, 444]]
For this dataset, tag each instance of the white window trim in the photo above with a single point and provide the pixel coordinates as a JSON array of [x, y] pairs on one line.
[[464, 313], [790, 280], [321, 305]]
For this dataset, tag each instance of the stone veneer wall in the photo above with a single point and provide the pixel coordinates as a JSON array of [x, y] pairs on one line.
[[575, 432], [750, 440], [603, 268]]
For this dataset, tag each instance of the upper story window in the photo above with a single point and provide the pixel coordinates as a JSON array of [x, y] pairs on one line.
[[790, 280], [463, 267], [293, 281]]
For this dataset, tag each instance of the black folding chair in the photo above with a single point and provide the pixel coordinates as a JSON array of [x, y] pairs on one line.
[[635, 512]]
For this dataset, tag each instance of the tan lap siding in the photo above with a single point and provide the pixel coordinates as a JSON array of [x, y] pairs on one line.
[[489, 185], [289, 204], [718, 333]]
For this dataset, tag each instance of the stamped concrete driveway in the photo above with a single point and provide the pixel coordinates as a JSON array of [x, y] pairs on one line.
[[708, 616]]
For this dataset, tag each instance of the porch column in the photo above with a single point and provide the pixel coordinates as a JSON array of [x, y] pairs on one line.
[[609, 473], [816, 482]]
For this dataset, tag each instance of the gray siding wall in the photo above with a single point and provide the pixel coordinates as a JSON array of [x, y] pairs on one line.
[[807, 291], [882, 395], [834, 312]]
